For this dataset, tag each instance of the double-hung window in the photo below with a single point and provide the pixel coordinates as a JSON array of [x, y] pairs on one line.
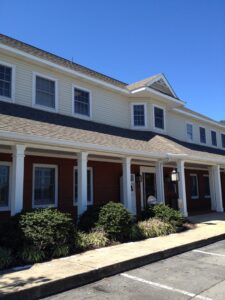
[[194, 186], [202, 135], [159, 121], [139, 115], [89, 186], [4, 185], [82, 102], [6, 81], [214, 138], [189, 128], [44, 185], [223, 140], [45, 92], [206, 186]]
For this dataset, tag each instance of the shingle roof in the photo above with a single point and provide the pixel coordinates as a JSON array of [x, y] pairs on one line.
[[24, 120]]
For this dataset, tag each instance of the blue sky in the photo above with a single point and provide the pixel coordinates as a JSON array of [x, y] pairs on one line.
[[133, 39]]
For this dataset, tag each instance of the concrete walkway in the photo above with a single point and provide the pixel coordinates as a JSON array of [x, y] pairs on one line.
[[57, 275]]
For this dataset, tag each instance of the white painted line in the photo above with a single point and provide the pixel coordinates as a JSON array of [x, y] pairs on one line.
[[209, 253], [165, 287]]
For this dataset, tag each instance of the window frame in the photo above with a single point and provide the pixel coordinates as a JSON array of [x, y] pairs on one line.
[[223, 144], [132, 115], [207, 196], [92, 186], [39, 106], [196, 176], [216, 140], [56, 186], [188, 139], [78, 115], [204, 143], [9, 164], [13, 82], [164, 118]]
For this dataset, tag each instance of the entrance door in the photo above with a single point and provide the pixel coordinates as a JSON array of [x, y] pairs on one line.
[[149, 186]]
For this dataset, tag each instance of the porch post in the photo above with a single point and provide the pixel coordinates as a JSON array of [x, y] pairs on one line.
[[182, 188], [127, 199], [17, 179], [160, 182], [215, 188], [82, 182]]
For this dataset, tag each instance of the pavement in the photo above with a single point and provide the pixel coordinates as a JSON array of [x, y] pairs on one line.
[[197, 274], [45, 279]]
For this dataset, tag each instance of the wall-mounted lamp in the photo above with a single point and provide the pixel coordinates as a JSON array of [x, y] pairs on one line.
[[174, 176]]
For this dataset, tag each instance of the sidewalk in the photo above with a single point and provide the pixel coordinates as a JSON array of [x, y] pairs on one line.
[[44, 279]]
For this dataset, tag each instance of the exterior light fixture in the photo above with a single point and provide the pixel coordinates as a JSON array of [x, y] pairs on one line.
[[174, 176]]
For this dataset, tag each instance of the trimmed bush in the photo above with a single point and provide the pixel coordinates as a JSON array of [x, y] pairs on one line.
[[136, 233], [6, 258], [30, 254], [167, 214], [89, 218], [154, 227], [115, 220], [92, 240]]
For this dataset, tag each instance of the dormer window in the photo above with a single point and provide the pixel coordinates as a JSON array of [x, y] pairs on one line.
[[139, 115], [7, 81], [82, 102], [159, 121], [189, 128], [214, 138], [202, 135]]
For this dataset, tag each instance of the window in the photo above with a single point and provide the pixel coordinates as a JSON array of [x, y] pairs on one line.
[[189, 131], [45, 92], [5, 81], [139, 115], [89, 186], [159, 117], [214, 138], [223, 140], [44, 186], [82, 102], [194, 186], [206, 186], [202, 135], [4, 185]]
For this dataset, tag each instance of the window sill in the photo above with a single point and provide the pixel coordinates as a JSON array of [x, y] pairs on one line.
[[6, 208], [45, 206], [41, 107], [80, 116], [6, 99]]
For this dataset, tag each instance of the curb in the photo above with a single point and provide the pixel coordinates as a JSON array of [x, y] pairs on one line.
[[58, 286]]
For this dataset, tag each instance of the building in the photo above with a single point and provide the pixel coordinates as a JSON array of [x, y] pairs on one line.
[[72, 137]]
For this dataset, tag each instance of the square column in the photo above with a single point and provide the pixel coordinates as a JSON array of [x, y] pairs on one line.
[[17, 179], [182, 201], [160, 183], [127, 199], [82, 182], [216, 189]]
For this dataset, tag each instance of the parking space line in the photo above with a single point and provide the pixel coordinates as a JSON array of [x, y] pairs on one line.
[[166, 287], [209, 253]]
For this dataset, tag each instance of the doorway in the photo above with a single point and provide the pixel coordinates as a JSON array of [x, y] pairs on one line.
[[148, 187]]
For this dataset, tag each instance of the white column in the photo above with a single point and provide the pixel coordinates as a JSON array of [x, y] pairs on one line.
[[182, 201], [82, 182], [160, 182], [215, 188], [127, 200], [17, 179]]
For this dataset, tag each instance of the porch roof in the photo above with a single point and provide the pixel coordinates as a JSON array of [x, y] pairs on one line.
[[24, 122]]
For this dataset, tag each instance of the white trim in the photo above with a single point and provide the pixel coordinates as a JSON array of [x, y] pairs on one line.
[[8, 164], [74, 86], [207, 196], [133, 126], [39, 106], [92, 186], [164, 118], [186, 125], [56, 185], [203, 143], [13, 82], [163, 77], [196, 176]]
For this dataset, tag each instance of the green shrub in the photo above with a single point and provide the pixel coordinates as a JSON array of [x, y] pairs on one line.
[[167, 214], [61, 251], [6, 258], [136, 233], [89, 218], [155, 227], [147, 213], [10, 234], [115, 220], [30, 254], [92, 240]]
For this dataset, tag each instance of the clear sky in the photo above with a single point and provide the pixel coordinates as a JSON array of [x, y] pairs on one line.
[[133, 39]]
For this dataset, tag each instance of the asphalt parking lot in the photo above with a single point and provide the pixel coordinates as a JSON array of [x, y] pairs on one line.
[[198, 274]]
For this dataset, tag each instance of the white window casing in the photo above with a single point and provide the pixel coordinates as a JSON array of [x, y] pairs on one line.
[[76, 114], [132, 115], [13, 82]]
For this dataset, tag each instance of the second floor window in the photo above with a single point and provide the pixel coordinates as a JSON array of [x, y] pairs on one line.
[[214, 138], [139, 115], [5, 81], [81, 102], [223, 140], [202, 135], [190, 132], [45, 92], [159, 118]]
